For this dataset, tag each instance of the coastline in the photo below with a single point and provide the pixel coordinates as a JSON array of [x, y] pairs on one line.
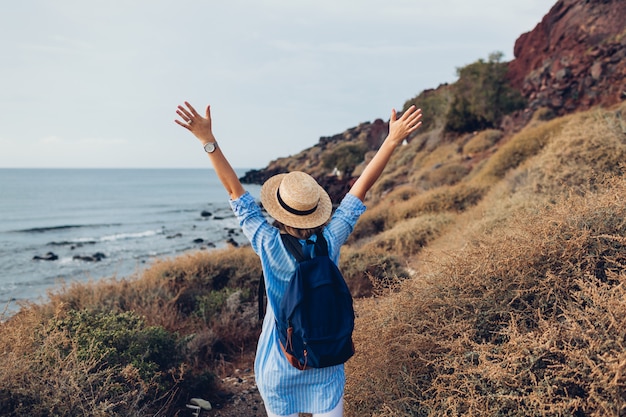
[[61, 226]]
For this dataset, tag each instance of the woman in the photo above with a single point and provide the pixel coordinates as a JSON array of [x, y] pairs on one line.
[[300, 207]]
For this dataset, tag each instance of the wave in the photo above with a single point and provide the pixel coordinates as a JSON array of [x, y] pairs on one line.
[[64, 227], [122, 236], [107, 238]]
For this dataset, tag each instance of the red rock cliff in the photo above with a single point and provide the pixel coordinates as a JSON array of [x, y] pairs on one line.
[[575, 57]]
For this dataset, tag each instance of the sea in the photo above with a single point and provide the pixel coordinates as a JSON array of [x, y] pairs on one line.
[[59, 226]]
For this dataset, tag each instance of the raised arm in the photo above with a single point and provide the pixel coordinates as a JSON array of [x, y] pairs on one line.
[[201, 128], [399, 129]]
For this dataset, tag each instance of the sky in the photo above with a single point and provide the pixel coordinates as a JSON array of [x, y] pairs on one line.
[[95, 84]]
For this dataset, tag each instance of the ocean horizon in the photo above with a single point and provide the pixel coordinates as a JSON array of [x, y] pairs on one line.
[[64, 225]]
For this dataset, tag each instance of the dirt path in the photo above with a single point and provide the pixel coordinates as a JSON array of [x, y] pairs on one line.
[[245, 400]]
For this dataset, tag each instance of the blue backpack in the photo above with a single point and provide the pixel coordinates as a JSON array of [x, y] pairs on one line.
[[315, 319]]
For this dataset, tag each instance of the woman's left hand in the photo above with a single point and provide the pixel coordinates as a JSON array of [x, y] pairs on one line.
[[195, 123]]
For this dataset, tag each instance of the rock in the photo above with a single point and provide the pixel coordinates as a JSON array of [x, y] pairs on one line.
[[203, 404], [96, 257], [596, 71], [205, 213], [174, 236], [198, 240], [50, 256], [576, 50]]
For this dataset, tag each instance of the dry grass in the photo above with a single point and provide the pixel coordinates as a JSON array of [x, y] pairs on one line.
[[590, 148], [408, 237], [518, 309], [482, 141], [519, 148], [368, 271], [446, 174], [526, 321]]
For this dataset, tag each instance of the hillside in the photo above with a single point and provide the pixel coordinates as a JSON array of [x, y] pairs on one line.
[[574, 59], [489, 270]]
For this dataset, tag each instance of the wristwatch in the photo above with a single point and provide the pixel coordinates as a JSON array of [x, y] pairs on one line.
[[210, 147]]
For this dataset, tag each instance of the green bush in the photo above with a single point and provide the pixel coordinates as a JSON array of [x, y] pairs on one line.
[[435, 104], [118, 339], [367, 271], [209, 305], [345, 157], [481, 96]]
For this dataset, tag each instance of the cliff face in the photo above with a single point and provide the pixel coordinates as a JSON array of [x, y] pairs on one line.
[[575, 58]]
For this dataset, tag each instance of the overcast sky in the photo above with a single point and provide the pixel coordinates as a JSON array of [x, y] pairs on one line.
[[96, 83]]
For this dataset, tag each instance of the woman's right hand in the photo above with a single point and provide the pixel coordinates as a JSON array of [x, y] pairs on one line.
[[409, 122]]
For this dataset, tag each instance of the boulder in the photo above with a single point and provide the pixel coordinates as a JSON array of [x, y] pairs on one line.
[[50, 256], [96, 257]]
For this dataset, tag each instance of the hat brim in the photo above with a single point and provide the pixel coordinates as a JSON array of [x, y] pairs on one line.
[[270, 202]]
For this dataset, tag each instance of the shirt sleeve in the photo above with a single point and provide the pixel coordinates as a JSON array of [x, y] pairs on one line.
[[252, 221], [342, 223]]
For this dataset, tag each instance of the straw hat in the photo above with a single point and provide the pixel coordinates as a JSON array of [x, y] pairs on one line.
[[296, 200]]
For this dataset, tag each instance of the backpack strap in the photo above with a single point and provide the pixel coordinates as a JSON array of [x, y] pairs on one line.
[[321, 245], [293, 246]]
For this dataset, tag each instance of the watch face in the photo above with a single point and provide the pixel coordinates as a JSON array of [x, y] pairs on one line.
[[209, 147]]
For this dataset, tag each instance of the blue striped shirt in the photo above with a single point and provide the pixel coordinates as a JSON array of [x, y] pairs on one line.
[[285, 389]]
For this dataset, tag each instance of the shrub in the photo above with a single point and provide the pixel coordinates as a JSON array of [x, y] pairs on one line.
[[590, 147], [366, 271], [372, 222], [519, 148], [446, 174], [482, 141], [345, 157], [456, 198], [481, 96], [118, 340], [408, 237], [435, 105], [86, 363]]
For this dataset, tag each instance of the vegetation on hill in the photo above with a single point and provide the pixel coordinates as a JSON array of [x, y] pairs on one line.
[[499, 292]]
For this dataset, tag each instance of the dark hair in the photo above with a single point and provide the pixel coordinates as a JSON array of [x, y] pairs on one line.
[[295, 232]]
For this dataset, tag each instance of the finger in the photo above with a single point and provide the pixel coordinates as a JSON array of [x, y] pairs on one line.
[[394, 115], [415, 127], [408, 112], [192, 110], [186, 119], [415, 116], [186, 126], [208, 112], [182, 112]]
